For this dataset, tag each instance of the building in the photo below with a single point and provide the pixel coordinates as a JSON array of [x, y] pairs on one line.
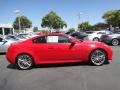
[[6, 29]]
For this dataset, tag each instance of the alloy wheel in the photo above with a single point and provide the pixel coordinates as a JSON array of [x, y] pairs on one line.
[[24, 62], [98, 57], [115, 42]]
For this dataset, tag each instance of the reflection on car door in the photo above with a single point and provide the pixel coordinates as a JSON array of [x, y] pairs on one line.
[[60, 49]]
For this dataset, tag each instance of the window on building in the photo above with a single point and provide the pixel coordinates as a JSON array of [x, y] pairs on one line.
[[7, 31], [11, 30], [1, 33]]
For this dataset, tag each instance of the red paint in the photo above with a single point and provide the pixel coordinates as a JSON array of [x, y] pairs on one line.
[[44, 53]]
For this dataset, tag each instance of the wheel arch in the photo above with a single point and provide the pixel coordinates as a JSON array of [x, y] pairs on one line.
[[116, 38], [98, 49], [22, 53]]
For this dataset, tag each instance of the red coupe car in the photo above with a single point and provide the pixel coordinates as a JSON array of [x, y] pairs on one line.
[[57, 48]]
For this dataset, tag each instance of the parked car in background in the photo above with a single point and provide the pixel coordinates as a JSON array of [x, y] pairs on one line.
[[25, 36], [69, 33], [79, 35], [57, 48], [95, 35], [6, 41], [113, 39]]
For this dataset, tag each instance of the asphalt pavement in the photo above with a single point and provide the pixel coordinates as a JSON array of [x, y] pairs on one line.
[[62, 77]]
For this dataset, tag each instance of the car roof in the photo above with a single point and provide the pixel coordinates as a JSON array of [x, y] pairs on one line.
[[53, 34]]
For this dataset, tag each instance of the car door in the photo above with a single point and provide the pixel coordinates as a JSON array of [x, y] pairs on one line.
[[99, 34], [40, 48], [60, 48], [55, 48], [63, 49]]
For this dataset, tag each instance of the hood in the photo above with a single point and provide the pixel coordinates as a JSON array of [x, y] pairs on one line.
[[92, 42]]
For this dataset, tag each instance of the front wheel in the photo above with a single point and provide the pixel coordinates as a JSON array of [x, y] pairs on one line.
[[24, 62], [98, 57]]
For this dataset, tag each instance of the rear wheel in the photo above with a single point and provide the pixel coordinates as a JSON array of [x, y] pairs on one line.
[[24, 62], [98, 57], [115, 42]]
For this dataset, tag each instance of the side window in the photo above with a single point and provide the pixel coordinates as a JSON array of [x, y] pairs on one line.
[[109, 32], [63, 39], [40, 40], [57, 39], [101, 33]]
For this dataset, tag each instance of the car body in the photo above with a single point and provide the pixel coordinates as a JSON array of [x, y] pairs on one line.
[[113, 39], [6, 41], [57, 48], [79, 35], [95, 35]]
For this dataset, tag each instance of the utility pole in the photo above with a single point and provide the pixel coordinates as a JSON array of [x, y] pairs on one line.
[[79, 17], [17, 12]]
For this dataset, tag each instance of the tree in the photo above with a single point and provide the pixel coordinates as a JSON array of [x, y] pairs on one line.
[[53, 21], [112, 17], [84, 26], [35, 29], [24, 23], [100, 26]]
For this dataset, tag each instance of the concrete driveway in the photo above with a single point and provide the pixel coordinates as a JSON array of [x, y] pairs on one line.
[[62, 77]]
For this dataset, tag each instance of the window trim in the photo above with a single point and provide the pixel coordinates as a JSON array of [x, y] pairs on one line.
[[51, 42]]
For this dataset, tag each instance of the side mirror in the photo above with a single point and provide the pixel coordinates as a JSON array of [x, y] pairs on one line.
[[73, 41]]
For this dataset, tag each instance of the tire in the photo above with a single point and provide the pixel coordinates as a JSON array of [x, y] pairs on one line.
[[24, 62], [98, 57], [96, 39], [115, 42]]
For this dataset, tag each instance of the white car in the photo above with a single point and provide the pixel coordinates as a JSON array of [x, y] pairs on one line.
[[95, 35], [6, 41], [25, 36]]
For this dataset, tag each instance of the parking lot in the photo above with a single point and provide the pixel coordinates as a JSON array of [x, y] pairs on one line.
[[62, 77]]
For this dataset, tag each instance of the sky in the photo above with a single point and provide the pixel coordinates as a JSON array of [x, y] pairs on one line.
[[68, 10]]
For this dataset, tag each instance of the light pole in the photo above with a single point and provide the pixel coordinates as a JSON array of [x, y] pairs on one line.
[[79, 16], [17, 12]]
